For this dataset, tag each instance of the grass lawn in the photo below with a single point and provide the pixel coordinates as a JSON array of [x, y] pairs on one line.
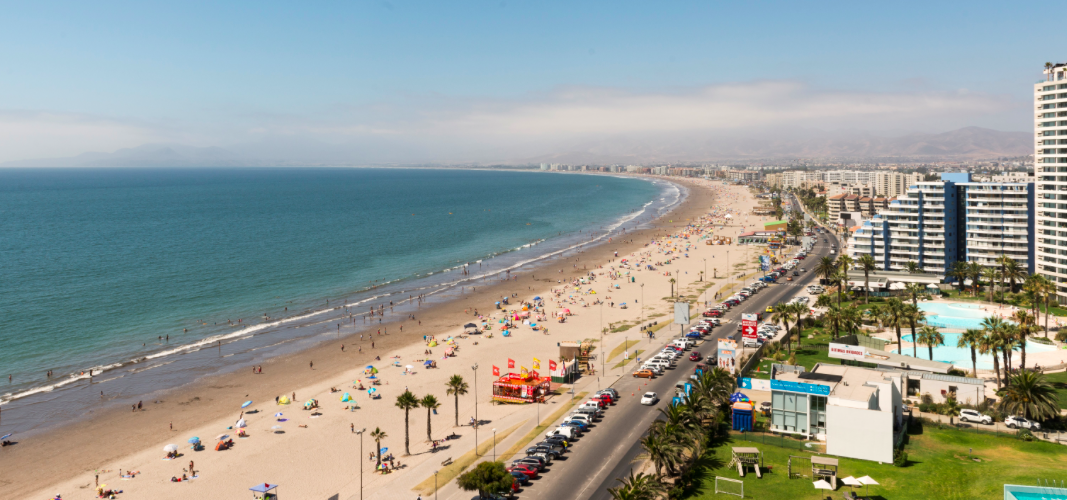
[[938, 467], [1059, 381]]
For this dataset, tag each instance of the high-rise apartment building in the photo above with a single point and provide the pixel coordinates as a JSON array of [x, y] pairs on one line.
[[1050, 174], [894, 184], [935, 224]]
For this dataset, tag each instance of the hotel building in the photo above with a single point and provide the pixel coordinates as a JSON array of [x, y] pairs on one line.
[[1050, 171]]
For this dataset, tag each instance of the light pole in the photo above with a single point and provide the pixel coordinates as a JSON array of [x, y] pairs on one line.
[[602, 346], [705, 269], [360, 432], [476, 421], [435, 484], [494, 444]]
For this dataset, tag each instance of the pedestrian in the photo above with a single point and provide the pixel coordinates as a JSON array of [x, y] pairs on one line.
[[311, 365], [172, 426], [352, 427]]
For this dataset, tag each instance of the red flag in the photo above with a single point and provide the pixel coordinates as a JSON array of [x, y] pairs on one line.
[[511, 363], [496, 371], [551, 365]]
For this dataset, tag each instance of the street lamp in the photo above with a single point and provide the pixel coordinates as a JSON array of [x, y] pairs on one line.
[[705, 269], [360, 432], [642, 308], [435, 484], [494, 444], [476, 420]]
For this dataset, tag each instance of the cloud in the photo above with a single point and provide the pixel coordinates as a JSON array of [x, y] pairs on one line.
[[442, 128]]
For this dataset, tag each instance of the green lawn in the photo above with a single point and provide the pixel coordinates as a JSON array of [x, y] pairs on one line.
[[938, 467], [1059, 381]]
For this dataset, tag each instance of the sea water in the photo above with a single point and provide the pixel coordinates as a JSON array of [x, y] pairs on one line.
[[141, 274]]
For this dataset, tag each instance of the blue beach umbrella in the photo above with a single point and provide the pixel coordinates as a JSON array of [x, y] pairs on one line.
[[428, 362], [194, 440], [5, 436], [537, 298], [246, 403], [278, 414], [385, 450]]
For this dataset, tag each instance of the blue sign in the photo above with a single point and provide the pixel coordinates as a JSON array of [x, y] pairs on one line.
[[786, 385], [688, 389], [744, 383]]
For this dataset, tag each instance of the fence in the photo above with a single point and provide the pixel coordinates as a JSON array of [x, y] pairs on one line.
[[779, 440], [752, 360], [995, 429]]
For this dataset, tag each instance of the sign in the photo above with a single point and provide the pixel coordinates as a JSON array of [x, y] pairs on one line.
[[754, 384], [681, 313], [551, 365], [511, 363], [765, 262], [496, 371], [749, 324], [788, 385], [843, 351], [727, 350]]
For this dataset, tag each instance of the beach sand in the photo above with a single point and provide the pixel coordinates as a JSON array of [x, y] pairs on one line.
[[323, 459]]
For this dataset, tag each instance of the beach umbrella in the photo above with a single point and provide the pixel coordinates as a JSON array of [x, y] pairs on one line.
[[194, 440], [278, 414], [170, 448], [470, 325], [427, 363], [822, 485], [385, 450], [851, 481], [868, 481], [5, 436], [221, 437], [409, 367], [241, 424], [537, 297], [346, 398], [246, 403]]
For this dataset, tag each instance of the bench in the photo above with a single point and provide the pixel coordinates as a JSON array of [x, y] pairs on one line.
[[448, 461]]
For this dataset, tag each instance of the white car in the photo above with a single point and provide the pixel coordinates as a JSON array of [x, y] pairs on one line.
[[654, 368], [650, 398], [1014, 422], [974, 416]]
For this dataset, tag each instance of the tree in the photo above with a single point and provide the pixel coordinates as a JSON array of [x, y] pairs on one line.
[[456, 387], [672, 282], [782, 314], [877, 314], [800, 309], [867, 264], [959, 271], [971, 339], [993, 327], [841, 280], [487, 478], [912, 314], [913, 267], [378, 435], [1013, 272], [914, 290], [430, 403], [407, 402], [974, 271], [835, 319], [640, 487], [826, 268], [930, 337], [895, 313], [1030, 394], [991, 275], [844, 263], [663, 451], [1027, 324]]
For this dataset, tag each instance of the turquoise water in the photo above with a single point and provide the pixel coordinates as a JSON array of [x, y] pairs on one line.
[[97, 264], [955, 315], [1027, 495], [1017, 492]]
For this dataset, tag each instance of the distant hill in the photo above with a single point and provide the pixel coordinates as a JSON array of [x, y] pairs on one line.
[[964, 143]]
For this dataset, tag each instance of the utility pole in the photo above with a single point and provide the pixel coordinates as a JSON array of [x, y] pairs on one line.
[[360, 432], [476, 420]]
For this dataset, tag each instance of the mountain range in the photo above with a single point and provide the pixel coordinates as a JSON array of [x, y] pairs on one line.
[[964, 143]]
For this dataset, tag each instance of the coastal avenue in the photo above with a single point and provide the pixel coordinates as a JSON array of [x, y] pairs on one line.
[[608, 452]]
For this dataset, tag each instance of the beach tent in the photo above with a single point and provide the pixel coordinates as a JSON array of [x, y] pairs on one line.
[[265, 490], [241, 424], [284, 400], [346, 398]]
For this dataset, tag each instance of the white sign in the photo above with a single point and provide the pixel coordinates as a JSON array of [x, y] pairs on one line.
[[843, 351], [681, 313]]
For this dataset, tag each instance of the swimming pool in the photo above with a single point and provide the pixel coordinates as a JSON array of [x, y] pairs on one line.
[[961, 356], [955, 315], [1018, 492]]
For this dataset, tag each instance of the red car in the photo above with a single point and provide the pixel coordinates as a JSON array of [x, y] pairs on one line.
[[695, 356], [714, 313], [605, 398], [525, 469]]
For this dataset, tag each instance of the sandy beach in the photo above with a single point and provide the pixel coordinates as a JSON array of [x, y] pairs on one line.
[[318, 456]]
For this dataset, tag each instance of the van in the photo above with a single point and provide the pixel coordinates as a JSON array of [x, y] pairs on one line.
[[750, 343], [662, 363], [567, 432]]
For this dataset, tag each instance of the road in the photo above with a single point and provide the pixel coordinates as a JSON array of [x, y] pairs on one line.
[[606, 452]]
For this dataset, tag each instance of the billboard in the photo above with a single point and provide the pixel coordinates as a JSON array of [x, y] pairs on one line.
[[844, 351], [681, 313], [749, 324], [765, 262], [727, 351]]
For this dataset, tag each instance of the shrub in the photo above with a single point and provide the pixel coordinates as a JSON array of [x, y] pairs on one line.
[[957, 372], [927, 407], [1061, 335], [1025, 435], [926, 398], [900, 457]]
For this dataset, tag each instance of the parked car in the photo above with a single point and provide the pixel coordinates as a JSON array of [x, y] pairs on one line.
[[1014, 422], [520, 476], [695, 356], [650, 398], [974, 416], [770, 309], [644, 373]]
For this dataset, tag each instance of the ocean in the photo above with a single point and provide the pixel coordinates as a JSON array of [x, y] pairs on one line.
[[131, 273]]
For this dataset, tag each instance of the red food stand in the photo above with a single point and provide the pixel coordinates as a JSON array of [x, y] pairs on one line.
[[519, 388]]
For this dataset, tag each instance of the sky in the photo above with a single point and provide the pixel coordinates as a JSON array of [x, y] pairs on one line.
[[422, 80]]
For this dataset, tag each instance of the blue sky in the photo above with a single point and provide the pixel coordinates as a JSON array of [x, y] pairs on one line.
[[79, 76]]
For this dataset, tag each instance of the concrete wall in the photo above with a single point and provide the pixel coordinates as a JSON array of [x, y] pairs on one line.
[[859, 433], [965, 393]]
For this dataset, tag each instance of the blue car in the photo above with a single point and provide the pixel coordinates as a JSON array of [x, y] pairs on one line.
[[693, 335], [576, 423], [520, 477]]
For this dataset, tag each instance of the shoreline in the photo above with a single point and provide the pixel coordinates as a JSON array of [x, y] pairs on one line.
[[194, 403]]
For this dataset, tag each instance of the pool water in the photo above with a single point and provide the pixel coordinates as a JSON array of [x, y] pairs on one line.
[[961, 356], [955, 315], [1019, 492], [1027, 495]]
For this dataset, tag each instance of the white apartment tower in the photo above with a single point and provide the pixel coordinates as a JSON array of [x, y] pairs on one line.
[[1050, 173]]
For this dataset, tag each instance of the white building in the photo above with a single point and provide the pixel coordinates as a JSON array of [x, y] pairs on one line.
[[1050, 173]]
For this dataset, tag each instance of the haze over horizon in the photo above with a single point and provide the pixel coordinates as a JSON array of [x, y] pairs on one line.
[[405, 82]]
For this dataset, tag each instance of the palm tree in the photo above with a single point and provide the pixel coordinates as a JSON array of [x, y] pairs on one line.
[[1048, 290], [1027, 325], [991, 275], [914, 290], [826, 268], [1009, 341], [845, 263], [672, 282], [800, 310], [1013, 272], [835, 319], [959, 271], [971, 339], [663, 450], [1048, 71], [930, 337], [823, 300], [895, 313], [430, 403], [867, 264], [912, 314], [913, 267], [992, 327], [974, 271], [841, 280], [877, 314], [1030, 394], [378, 435], [782, 314], [407, 402], [640, 487], [456, 387], [850, 319]]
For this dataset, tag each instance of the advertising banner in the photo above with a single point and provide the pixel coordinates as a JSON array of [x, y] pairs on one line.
[[749, 324], [681, 313], [843, 351], [727, 351]]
